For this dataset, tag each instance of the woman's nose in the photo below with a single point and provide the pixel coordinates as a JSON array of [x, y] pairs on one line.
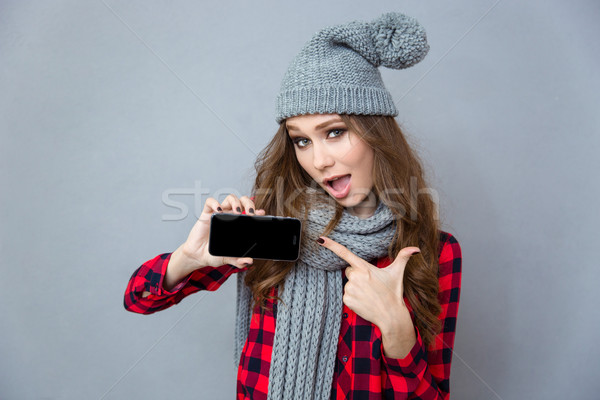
[[322, 157]]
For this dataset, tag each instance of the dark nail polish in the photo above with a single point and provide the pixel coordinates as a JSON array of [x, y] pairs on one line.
[[219, 209], [320, 241], [415, 252], [251, 210], [238, 209], [245, 264]]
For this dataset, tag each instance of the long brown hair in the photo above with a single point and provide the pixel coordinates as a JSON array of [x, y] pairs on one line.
[[281, 186]]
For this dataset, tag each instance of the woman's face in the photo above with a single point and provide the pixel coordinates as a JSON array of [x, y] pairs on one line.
[[326, 149]]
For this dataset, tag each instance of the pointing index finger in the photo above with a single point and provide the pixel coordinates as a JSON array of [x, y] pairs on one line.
[[341, 251]]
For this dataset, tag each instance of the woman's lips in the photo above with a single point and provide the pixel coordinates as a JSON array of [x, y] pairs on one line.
[[340, 187]]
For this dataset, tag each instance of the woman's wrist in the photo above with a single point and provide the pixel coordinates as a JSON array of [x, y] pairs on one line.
[[398, 333], [180, 266]]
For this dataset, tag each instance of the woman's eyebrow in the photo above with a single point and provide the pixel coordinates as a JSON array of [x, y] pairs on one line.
[[320, 126]]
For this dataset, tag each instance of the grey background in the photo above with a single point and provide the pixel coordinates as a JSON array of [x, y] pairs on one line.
[[109, 107]]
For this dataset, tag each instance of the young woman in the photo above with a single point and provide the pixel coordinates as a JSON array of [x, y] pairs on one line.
[[369, 309]]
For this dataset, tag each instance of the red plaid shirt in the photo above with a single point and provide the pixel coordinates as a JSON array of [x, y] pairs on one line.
[[362, 371]]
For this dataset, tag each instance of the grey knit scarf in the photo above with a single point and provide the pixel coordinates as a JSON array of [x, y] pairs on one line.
[[308, 320]]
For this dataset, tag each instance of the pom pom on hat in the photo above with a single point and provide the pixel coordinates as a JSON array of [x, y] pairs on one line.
[[336, 71], [400, 41]]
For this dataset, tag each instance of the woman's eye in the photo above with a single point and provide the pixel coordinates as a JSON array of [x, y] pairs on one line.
[[339, 132], [297, 142]]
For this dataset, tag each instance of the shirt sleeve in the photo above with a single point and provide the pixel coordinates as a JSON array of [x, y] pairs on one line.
[[425, 373], [145, 293]]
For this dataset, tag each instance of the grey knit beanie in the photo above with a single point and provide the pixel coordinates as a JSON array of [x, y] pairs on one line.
[[336, 71]]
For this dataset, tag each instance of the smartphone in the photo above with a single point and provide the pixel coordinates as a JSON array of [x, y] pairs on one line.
[[263, 237]]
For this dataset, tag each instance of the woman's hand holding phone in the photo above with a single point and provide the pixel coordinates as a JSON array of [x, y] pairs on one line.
[[193, 254]]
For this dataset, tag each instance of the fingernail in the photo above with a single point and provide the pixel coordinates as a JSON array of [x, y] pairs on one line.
[[251, 210], [219, 209], [415, 252], [320, 240], [238, 209], [245, 264]]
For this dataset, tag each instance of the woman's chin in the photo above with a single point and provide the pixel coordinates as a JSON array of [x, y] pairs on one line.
[[359, 204]]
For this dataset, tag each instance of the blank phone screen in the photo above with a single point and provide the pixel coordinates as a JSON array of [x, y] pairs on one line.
[[266, 237]]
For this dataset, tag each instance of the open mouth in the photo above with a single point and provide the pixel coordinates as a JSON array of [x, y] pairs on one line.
[[340, 186]]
